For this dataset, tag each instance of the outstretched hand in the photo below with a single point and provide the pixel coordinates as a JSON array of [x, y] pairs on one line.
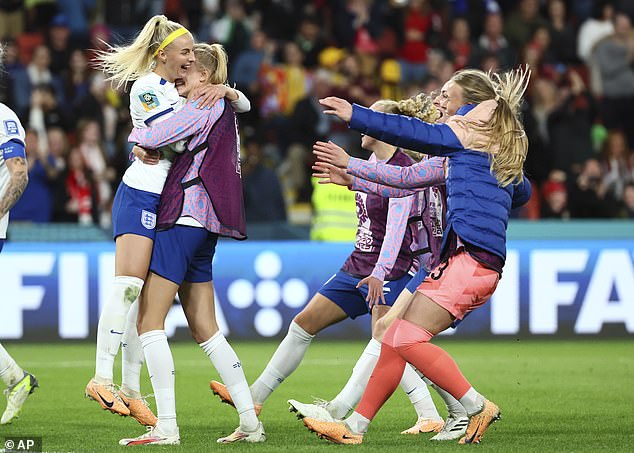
[[329, 174], [338, 107], [330, 153]]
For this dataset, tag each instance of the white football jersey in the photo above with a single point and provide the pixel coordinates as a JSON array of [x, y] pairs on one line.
[[10, 129], [152, 100]]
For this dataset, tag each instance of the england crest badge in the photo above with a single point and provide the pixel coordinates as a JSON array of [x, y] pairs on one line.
[[148, 219]]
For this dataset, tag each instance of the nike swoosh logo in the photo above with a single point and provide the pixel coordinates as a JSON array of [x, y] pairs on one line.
[[105, 401], [115, 332]]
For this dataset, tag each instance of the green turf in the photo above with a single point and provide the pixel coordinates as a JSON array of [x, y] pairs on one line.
[[554, 396]]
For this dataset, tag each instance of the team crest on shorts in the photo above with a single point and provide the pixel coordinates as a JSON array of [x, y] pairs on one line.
[[148, 219], [149, 100]]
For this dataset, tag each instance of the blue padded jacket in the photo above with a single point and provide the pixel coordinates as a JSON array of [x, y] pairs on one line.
[[477, 207]]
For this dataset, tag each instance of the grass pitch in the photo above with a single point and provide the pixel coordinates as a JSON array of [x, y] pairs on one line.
[[554, 396]]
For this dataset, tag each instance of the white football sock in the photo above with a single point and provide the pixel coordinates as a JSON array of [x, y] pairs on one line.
[[454, 407], [124, 292], [10, 372], [226, 362], [160, 365], [357, 423], [418, 394], [132, 356], [472, 401], [351, 394], [286, 359]]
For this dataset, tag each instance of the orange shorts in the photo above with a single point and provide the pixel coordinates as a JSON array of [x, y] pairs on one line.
[[460, 285]]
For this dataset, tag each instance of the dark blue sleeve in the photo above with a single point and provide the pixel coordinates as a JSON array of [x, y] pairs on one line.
[[405, 132], [12, 148], [521, 193]]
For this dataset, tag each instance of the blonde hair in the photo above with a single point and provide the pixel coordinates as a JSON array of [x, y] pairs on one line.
[[506, 140], [128, 63], [213, 59], [420, 106]]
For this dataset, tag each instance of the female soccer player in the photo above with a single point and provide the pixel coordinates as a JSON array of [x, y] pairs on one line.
[[13, 180], [160, 54], [382, 258], [202, 200], [430, 218], [486, 150]]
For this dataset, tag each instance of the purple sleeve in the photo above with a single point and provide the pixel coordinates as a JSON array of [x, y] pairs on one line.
[[426, 173], [186, 122], [395, 227], [361, 185]]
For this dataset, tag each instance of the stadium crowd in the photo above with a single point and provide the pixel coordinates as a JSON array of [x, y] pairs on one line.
[[287, 54]]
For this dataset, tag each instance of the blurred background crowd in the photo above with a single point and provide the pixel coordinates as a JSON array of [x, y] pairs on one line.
[[286, 54]]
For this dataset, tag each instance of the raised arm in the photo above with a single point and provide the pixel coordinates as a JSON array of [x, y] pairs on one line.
[[405, 132], [362, 185], [186, 122], [429, 172]]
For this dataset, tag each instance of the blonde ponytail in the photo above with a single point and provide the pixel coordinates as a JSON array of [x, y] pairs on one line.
[[506, 140], [128, 63], [420, 106], [213, 59]]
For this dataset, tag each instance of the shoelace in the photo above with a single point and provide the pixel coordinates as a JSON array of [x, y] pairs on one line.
[[320, 402]]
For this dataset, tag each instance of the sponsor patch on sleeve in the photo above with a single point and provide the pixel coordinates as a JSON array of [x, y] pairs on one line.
[[11, 127], [149, 100]]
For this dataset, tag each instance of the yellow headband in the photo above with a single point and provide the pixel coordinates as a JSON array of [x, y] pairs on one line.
[[171, 37]]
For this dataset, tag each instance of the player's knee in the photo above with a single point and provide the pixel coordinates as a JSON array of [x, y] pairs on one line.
[[408, 334], [379, 330], [200, 335], [307, 323]]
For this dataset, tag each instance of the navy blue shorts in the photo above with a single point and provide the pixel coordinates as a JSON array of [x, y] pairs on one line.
[[184, 253], [134, 212], [342, 289], [2, 243]]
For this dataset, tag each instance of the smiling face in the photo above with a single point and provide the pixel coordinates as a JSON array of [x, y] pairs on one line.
[[174, 61], [449, 100]]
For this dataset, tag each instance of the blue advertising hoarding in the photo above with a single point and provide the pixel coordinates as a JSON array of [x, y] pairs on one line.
[[563, 287]]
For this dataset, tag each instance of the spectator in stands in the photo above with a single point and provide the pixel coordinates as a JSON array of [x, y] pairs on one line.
[[77, 14], [36, 203], [59, 44], [562, 35], [75, 81], [522, 23], [90, 146], [617, 161], [233, 30], [595, 28], [45, 109], [589, 196], [263, 199], [310, 41], [570, 122], [80, 190], [247, 65], [417, 28], [614, 57], [460, 43], [555, 201], [493, 42]]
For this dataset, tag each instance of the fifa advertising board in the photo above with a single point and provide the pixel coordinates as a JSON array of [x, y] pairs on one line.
[[565, 288]]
